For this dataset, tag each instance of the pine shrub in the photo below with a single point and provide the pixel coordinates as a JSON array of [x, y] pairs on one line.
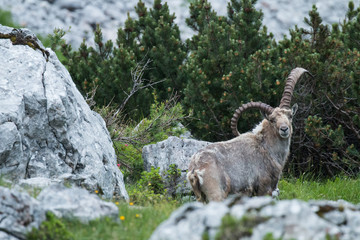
[[226, 68], [152, 40], [216, 66], [326, 138]]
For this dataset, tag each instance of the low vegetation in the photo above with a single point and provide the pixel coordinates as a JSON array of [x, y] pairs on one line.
[[135, 222], [138, 222], [331, 189]]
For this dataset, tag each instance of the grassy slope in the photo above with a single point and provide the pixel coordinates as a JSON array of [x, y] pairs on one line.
[[340, 188], [137, 223], [140, 222]]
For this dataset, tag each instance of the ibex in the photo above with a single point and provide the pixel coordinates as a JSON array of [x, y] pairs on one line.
[[252, 162]]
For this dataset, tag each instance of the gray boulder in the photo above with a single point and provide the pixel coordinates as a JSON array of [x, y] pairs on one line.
[[173, 150], [76, 203], [19, 213], [46, 128], [262, 216]]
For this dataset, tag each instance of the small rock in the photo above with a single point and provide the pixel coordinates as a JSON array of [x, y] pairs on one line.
[[76, 203], [19, 213], [173, 150]]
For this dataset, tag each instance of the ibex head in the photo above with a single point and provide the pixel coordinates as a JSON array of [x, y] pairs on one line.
[[279, 118]]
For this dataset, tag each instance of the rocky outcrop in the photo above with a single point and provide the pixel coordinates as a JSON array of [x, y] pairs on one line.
[[19, 212], [173, 150], [46, 128], [260, 217]]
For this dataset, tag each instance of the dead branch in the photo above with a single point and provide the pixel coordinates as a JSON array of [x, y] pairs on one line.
[[139, 82]]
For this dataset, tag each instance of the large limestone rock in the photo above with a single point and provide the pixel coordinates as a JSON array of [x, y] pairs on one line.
[[260, 217], [46, 128], [173, 150]]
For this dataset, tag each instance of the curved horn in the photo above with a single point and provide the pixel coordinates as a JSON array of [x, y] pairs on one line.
[[290, 85], [234, 120]]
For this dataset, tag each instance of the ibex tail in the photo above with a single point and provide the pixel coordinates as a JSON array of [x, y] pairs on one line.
[[195, 184]]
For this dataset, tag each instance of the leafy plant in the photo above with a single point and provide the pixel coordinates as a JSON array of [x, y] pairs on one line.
[[130, 161], [155, 187], [152, 180], [56, 39], [129, 138], [172, 176], [149, 189], [52, 228]]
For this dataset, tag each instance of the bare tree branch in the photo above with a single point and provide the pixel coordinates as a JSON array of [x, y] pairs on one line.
[[139, 82]]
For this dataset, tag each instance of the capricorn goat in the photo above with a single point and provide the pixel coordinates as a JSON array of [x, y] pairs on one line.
[[252, 162]]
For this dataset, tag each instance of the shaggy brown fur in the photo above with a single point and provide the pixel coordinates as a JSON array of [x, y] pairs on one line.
[[250, 164]]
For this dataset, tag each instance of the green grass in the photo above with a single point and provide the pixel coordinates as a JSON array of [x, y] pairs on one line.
[[137, 223], [7, 20], [339, 188]]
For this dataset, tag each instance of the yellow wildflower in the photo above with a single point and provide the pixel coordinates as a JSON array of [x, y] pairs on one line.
[[122, 218]]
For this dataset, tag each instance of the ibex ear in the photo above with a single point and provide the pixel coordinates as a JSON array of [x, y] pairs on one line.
[[294, 109]]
